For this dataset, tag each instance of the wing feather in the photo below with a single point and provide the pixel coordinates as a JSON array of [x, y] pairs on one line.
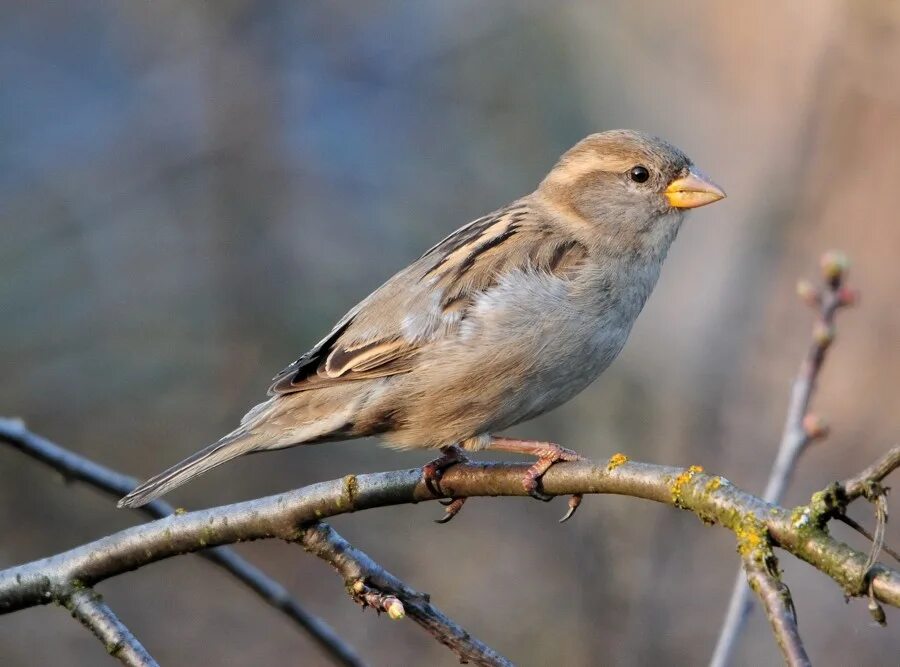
[[385, 333]]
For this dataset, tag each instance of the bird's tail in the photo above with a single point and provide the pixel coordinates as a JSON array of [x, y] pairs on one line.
[[316, 416], [230, 447]]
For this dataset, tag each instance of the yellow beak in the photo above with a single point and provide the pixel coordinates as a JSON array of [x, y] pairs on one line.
[[692, 191]]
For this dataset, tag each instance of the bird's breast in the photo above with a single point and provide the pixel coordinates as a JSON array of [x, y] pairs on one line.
[[528, 345], [566, 332]]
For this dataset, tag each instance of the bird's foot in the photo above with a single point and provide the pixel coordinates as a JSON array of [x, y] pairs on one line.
[[433, 472], [548, 454]]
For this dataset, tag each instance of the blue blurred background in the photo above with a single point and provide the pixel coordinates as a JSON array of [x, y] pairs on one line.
[[192, 192]]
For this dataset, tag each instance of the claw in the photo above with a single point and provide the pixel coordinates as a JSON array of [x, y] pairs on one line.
[[433, 480], [433, 471], [536, 494], [453, 508], [574, 502]]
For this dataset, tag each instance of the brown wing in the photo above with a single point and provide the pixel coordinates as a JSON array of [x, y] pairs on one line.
[[385, 333], [338, 356]]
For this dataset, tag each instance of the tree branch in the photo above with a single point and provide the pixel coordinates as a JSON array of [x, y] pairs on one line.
[[799, 430], [713, 499], [88, 607], [861, 484], [75, 467], [761, 568], [361, 574], [328, 546], [800, 427]]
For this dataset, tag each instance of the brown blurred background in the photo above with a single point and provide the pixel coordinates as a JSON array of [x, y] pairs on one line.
[[192, 192]]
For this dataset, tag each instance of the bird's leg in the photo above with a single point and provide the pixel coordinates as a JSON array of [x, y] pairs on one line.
[[432, 473], [547, 453]]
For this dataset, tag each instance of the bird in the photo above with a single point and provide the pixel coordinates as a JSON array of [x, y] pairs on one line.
[[508, 317]]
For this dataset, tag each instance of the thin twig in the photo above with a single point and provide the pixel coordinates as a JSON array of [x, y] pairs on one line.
[[881, 515], [862, 530], [75, 467], [88, 607], [762, 576], [360, 572], [712, 498], [859, 485], [797, 433]]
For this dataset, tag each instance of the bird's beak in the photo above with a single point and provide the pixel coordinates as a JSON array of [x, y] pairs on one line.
[[692, 191]]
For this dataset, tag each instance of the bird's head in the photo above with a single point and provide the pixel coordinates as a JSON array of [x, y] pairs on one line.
[[628, 184]]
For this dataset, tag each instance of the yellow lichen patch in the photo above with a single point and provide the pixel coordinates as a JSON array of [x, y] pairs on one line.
[[823, 503], [179, 511], [713, 484], [615, 461], [800, 517], [680, 481], [349, 491], [750, 540], [207, 536], [751, 534]]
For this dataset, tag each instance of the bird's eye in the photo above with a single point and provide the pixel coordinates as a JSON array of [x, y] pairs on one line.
[[639, 174]]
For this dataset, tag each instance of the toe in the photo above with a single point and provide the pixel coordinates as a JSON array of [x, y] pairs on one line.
[[452, 509], [532, 487], [574, 502]]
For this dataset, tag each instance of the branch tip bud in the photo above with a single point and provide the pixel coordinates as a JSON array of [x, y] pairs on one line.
[[808, 293], [848, 297], [834, 265], [815, 427], [394, 608]]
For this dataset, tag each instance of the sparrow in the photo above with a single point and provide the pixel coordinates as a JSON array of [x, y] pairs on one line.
[[506, 318]]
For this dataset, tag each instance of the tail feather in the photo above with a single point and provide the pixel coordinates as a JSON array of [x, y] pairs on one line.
[[312, 416], [229, 447]]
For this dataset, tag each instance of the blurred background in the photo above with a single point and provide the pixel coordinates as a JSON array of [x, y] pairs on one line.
[[191, 193]]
